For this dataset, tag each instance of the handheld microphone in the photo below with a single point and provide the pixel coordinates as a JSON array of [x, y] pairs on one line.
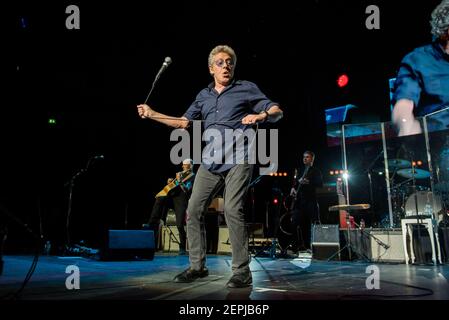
[[165, 64]]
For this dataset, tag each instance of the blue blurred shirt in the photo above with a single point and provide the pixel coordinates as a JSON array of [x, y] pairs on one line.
[[225, 111], [423, 77]]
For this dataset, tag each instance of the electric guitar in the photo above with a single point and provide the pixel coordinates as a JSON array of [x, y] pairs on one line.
[[294, 193], [185, 176]]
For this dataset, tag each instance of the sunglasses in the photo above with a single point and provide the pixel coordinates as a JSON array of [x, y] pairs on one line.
[[220, 63]]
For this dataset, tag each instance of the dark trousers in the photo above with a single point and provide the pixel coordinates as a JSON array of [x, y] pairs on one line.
[[206, 185], [304, 215], [179, 200]]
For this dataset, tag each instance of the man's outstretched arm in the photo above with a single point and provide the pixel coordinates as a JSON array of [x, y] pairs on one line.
[[145, 112]]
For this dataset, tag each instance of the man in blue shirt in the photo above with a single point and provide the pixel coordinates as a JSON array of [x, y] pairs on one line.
[[226, 104], [422, 83]]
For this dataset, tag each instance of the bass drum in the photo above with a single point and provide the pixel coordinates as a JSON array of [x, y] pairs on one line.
[[426, 201]]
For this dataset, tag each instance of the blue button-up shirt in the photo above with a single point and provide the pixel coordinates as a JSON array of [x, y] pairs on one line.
[[423, 77], [226, 111]]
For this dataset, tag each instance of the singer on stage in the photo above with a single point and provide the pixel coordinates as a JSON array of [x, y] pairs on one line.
[[422, 83], [225, 104]]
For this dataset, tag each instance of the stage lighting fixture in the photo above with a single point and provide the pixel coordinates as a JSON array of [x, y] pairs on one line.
[[342, 80]]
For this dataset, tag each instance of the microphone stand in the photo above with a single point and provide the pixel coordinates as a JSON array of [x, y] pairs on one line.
[[71, 184]]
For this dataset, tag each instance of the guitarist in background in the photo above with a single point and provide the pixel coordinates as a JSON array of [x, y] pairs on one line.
[[306, 210], [178, 192]]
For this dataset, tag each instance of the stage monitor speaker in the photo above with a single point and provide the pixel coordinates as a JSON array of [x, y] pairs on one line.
[[393, 239], [129, 245], [325, 241], [170, 239], [224, 245]]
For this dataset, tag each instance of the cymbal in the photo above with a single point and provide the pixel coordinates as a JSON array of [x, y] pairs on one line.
[[417, 173], [399, 163], [360, 206]]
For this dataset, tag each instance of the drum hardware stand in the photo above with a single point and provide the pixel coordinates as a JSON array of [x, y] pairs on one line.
[[371, 196], [348, 243], [402, 213], [419, 219], [368, 171]]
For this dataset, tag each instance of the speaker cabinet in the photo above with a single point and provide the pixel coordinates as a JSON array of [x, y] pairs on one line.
[[224, 246], [392, 238], [129, 245], [325, 241], [170, 239]]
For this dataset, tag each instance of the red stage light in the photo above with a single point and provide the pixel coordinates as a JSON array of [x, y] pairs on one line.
[[275, 201], [342, 80]]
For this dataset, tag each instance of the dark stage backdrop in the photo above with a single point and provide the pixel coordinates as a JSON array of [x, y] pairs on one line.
[[89, 82]]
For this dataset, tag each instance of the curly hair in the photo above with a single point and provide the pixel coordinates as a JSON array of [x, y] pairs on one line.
[[222, 48], [440, 21]]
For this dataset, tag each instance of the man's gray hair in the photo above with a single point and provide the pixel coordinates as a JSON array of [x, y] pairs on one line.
[[222, 48], [440, 21]]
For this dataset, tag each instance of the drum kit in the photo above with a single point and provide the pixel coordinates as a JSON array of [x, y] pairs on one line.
[[411, 197]]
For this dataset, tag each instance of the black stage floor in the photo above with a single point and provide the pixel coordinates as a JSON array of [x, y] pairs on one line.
[[273, 279]]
